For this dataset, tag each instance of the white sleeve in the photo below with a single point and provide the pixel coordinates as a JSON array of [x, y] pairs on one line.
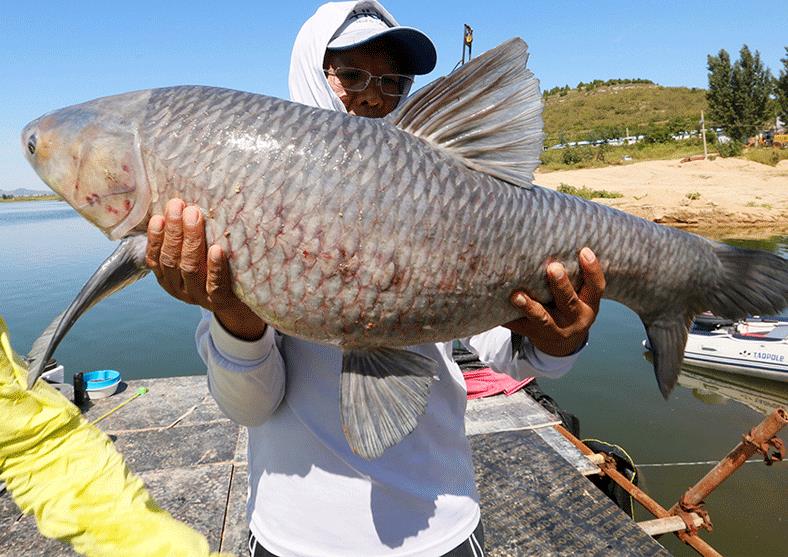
[[247, 379], [494, 348]]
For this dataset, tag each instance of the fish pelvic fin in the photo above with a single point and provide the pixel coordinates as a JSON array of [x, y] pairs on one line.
[[123, 267], [750, 282], [667, 338], [488, 114], [382, 394]]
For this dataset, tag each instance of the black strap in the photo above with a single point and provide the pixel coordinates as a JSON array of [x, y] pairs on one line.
[[472, 547]]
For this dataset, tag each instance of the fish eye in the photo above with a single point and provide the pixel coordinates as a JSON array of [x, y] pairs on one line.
[[31, 144]]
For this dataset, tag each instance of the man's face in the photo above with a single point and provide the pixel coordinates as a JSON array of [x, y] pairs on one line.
[[370, 102]]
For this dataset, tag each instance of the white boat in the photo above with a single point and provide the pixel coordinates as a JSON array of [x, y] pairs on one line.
[[757, 347]]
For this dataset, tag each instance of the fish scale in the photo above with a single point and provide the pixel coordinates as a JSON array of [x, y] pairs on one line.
[[374, 235]]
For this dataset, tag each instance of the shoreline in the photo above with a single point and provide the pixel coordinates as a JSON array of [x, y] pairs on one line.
[[724, 198], [22, 198]]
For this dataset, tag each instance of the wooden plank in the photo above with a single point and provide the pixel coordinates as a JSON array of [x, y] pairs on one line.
[[660, 526], [506, 413], [568, 451], [534, 503]]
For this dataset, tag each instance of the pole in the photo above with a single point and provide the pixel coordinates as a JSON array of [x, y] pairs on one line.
[[703, 131], [759, 439], [467, 42], [697, 543], [141, 391]]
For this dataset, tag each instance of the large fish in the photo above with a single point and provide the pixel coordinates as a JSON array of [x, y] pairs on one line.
[[373, 235]]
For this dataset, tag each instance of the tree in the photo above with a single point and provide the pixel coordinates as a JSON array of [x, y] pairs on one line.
[[752, 84], [782, 89], [738, 95], [720, 96]]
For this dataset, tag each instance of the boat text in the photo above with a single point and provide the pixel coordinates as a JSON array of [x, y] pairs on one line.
[[770, 357]]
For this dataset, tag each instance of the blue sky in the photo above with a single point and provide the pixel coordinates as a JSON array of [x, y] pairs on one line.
[[53, 54]]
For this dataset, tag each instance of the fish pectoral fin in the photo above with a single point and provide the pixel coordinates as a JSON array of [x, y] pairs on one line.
[[667, 338], [125, 266], [488, 114], [383, 393]]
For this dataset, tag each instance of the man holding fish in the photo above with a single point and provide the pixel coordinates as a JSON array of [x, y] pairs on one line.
[[357, 247], [305, 484]]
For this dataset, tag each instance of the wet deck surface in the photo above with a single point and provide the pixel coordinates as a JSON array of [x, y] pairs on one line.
[[193, 460]]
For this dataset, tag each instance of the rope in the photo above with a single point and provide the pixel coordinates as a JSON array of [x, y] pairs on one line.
[[698, 463], [623, 472]]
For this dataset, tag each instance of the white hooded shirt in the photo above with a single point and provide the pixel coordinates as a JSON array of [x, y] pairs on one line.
[[307, 82], [309, 494]]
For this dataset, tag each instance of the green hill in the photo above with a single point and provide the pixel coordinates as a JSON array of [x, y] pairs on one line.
[[606, 111]]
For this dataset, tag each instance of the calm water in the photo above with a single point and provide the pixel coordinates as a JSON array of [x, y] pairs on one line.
[[48, 253]]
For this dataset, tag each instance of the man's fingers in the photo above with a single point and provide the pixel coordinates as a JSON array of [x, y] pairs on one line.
[[535, 315], [566, 300], [155, 239], [170, 255], [218, 283], [192, 259], [593, 279]]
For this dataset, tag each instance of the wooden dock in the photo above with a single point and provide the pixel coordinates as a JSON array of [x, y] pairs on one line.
[[535, 498]]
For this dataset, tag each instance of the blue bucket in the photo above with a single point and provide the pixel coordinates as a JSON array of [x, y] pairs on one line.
[[100, 379]]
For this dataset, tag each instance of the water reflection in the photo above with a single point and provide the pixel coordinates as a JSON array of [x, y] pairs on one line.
[[718, 387]]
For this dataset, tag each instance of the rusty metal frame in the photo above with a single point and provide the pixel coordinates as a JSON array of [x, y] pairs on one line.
[[762, 438]]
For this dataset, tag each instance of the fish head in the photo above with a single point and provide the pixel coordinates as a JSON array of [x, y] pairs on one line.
[[90, 155]]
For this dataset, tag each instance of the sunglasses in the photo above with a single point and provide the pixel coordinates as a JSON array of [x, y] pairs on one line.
[[356, 79]]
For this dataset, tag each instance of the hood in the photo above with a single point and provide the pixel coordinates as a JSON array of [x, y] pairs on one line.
[[307, 82]]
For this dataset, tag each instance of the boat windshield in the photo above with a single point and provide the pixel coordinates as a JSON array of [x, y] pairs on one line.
[[779, 333]]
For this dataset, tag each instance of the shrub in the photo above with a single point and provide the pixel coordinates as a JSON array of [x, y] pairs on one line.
[[766, 155], [731, 149], [601, 151], [570, 156], [588, 193], [658, 134]]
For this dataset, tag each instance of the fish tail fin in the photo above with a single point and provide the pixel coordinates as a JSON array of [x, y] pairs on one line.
[[751, 282], [747, 282], [383, 393], [667, 338]]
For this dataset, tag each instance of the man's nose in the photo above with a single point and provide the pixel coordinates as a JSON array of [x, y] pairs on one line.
[[372, 95]]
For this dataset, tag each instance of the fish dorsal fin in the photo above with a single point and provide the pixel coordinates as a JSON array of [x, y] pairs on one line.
[[488, 114]]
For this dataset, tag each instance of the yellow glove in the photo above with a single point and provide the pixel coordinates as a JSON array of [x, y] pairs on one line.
[[68, 474]]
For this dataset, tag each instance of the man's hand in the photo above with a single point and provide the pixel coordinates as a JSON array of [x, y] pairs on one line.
[[184, 266], [563, 329]]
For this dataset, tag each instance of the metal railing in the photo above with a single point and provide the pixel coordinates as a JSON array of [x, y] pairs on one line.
[[688, 515]]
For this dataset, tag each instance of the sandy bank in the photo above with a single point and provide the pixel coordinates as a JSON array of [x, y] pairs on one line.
[[736, 196]]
